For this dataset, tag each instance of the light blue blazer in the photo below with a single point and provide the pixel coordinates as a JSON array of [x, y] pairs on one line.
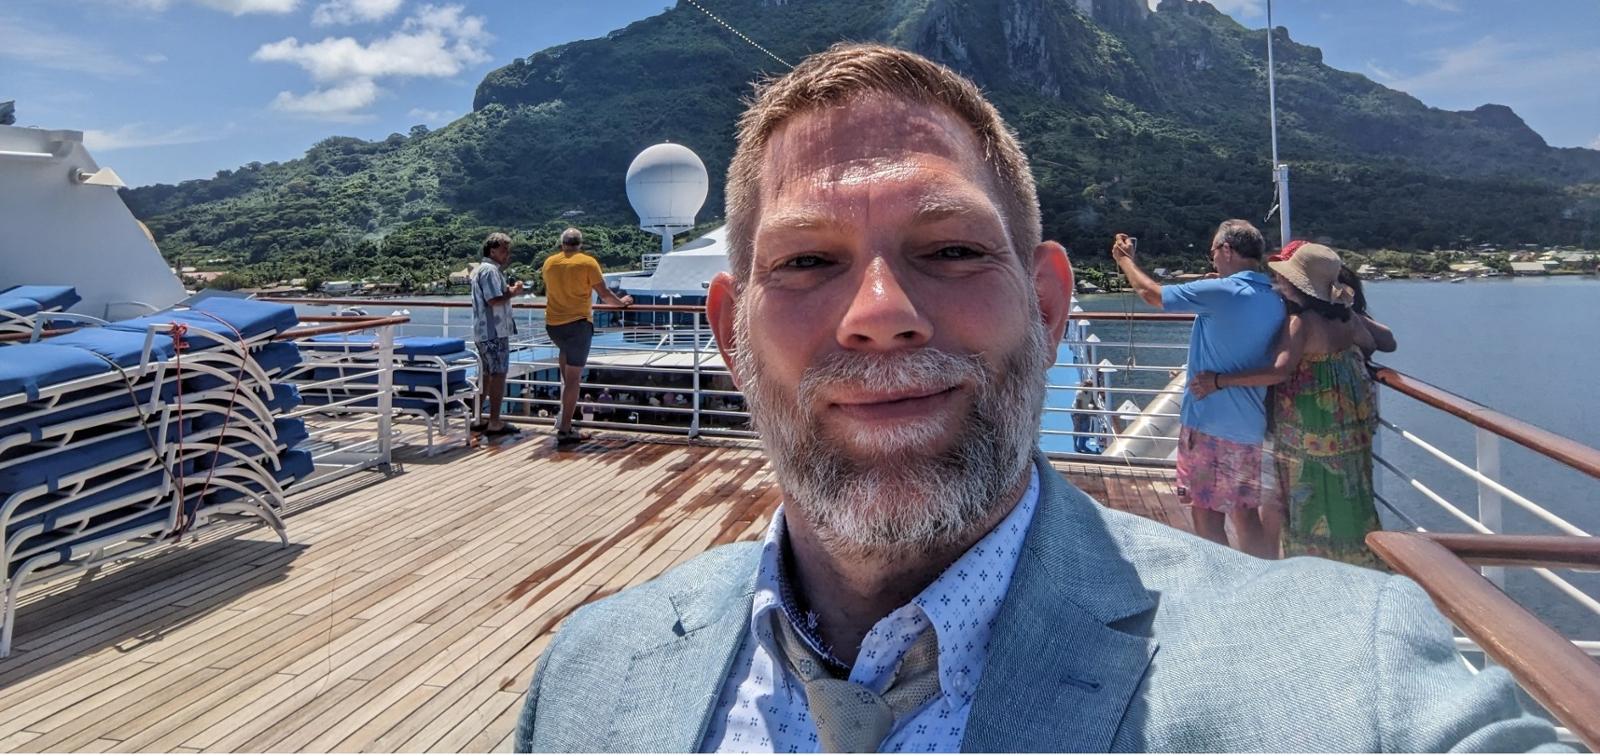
[[1118, 634]]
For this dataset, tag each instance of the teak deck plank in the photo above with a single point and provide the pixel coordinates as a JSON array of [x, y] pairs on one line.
[[409, 611]]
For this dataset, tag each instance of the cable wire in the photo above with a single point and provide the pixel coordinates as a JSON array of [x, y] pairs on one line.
[[739, 34]]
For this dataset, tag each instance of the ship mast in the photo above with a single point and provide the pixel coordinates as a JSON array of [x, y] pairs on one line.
[[1280, 171]]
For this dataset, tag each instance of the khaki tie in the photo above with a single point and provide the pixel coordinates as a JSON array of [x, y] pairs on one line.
[[849, 717]]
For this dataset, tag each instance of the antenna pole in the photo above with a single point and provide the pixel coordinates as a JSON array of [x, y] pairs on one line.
[[1280, 171]]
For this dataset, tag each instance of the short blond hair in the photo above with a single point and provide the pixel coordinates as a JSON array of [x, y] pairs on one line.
[[847, 71]]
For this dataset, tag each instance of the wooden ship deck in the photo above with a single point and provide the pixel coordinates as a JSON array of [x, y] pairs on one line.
[[407, 612]]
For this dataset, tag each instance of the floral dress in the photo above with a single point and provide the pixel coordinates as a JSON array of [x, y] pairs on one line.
[[1324, 417]]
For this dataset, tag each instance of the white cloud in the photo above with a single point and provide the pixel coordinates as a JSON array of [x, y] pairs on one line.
[[439, 42], [1444, 5], [45, 47], [138, 135], [433, 116], [1595, 145], [435, 42], [1495, 70], [353, 11], [338, 102], [1380, 73], [154, 58]]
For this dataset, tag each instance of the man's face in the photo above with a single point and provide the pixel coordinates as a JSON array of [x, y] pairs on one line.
[[1219, 252], [501, 254], [889, 338]]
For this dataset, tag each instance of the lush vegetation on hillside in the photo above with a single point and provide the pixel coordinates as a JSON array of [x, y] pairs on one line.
[[1150, 123]]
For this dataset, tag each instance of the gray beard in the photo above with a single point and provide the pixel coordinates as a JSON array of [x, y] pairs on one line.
[[901, 498]]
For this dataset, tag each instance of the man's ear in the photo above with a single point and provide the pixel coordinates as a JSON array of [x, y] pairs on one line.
[[1052, 279], [722, 301]]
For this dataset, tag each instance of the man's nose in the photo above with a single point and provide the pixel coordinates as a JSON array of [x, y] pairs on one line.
[[882, 315]]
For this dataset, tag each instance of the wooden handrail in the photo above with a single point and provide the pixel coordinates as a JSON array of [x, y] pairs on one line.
[[342, 326], [1556, 673], [462, 304], [46, 333], [1554, 551], [1557, 447]]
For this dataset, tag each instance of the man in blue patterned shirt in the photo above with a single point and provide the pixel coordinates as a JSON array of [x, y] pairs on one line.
[[930, 582], [493, 325]]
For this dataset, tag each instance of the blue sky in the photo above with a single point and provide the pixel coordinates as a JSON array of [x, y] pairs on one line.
[[169, 90]]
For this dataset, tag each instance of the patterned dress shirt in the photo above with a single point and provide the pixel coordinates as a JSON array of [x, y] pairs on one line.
[[762, 707], [491, 322]]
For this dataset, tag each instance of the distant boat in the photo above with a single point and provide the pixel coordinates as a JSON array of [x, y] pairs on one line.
[[1457, 279], [1084, 287]]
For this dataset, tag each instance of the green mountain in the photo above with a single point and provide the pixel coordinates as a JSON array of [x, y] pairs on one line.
[[1151, 122]]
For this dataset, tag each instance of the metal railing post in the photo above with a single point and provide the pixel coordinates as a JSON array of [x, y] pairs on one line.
[[1489, 499], [694, 419], [385, 392], [444, 324]]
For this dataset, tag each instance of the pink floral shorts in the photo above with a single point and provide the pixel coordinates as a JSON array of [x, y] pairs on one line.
[[1217, 474]]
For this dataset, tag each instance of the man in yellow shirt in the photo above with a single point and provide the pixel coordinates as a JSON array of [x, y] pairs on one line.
[[570, 277]]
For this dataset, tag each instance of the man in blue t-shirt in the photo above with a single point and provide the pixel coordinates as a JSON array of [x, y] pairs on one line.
[[1221, 464]]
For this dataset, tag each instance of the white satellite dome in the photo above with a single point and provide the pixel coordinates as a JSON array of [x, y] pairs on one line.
[[667, 186]]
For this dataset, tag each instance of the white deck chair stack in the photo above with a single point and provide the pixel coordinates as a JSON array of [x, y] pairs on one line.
[[119, 439]]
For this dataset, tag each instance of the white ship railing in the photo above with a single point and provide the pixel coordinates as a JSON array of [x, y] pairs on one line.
[[344, 438]]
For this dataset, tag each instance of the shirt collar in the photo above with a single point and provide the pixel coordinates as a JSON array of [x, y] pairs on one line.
[[961, 605]]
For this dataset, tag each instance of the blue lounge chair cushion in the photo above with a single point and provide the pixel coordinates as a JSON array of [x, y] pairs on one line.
[[53, 514], [247, 316], [123, 347], [275, 358], [18, 305], [27, 368], [412, 378], [427, 405], [285, 397], [409, 346], [150, 523], [295, 464], [48, 297], [433, 346], [339, 342], [51, 468], [290, 431], [115, 399]]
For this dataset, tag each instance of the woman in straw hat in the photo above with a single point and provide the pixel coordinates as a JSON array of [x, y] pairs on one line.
[[1323, 410]]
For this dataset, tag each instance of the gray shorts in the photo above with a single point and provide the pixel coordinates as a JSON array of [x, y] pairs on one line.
[[495, 356], [573, 340]]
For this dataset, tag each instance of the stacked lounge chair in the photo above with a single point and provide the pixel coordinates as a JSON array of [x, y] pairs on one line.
[[118, 439], [432, 379], [29, 309]]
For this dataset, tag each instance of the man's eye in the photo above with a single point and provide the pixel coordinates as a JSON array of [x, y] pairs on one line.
[[957, 252], [804, 261]]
